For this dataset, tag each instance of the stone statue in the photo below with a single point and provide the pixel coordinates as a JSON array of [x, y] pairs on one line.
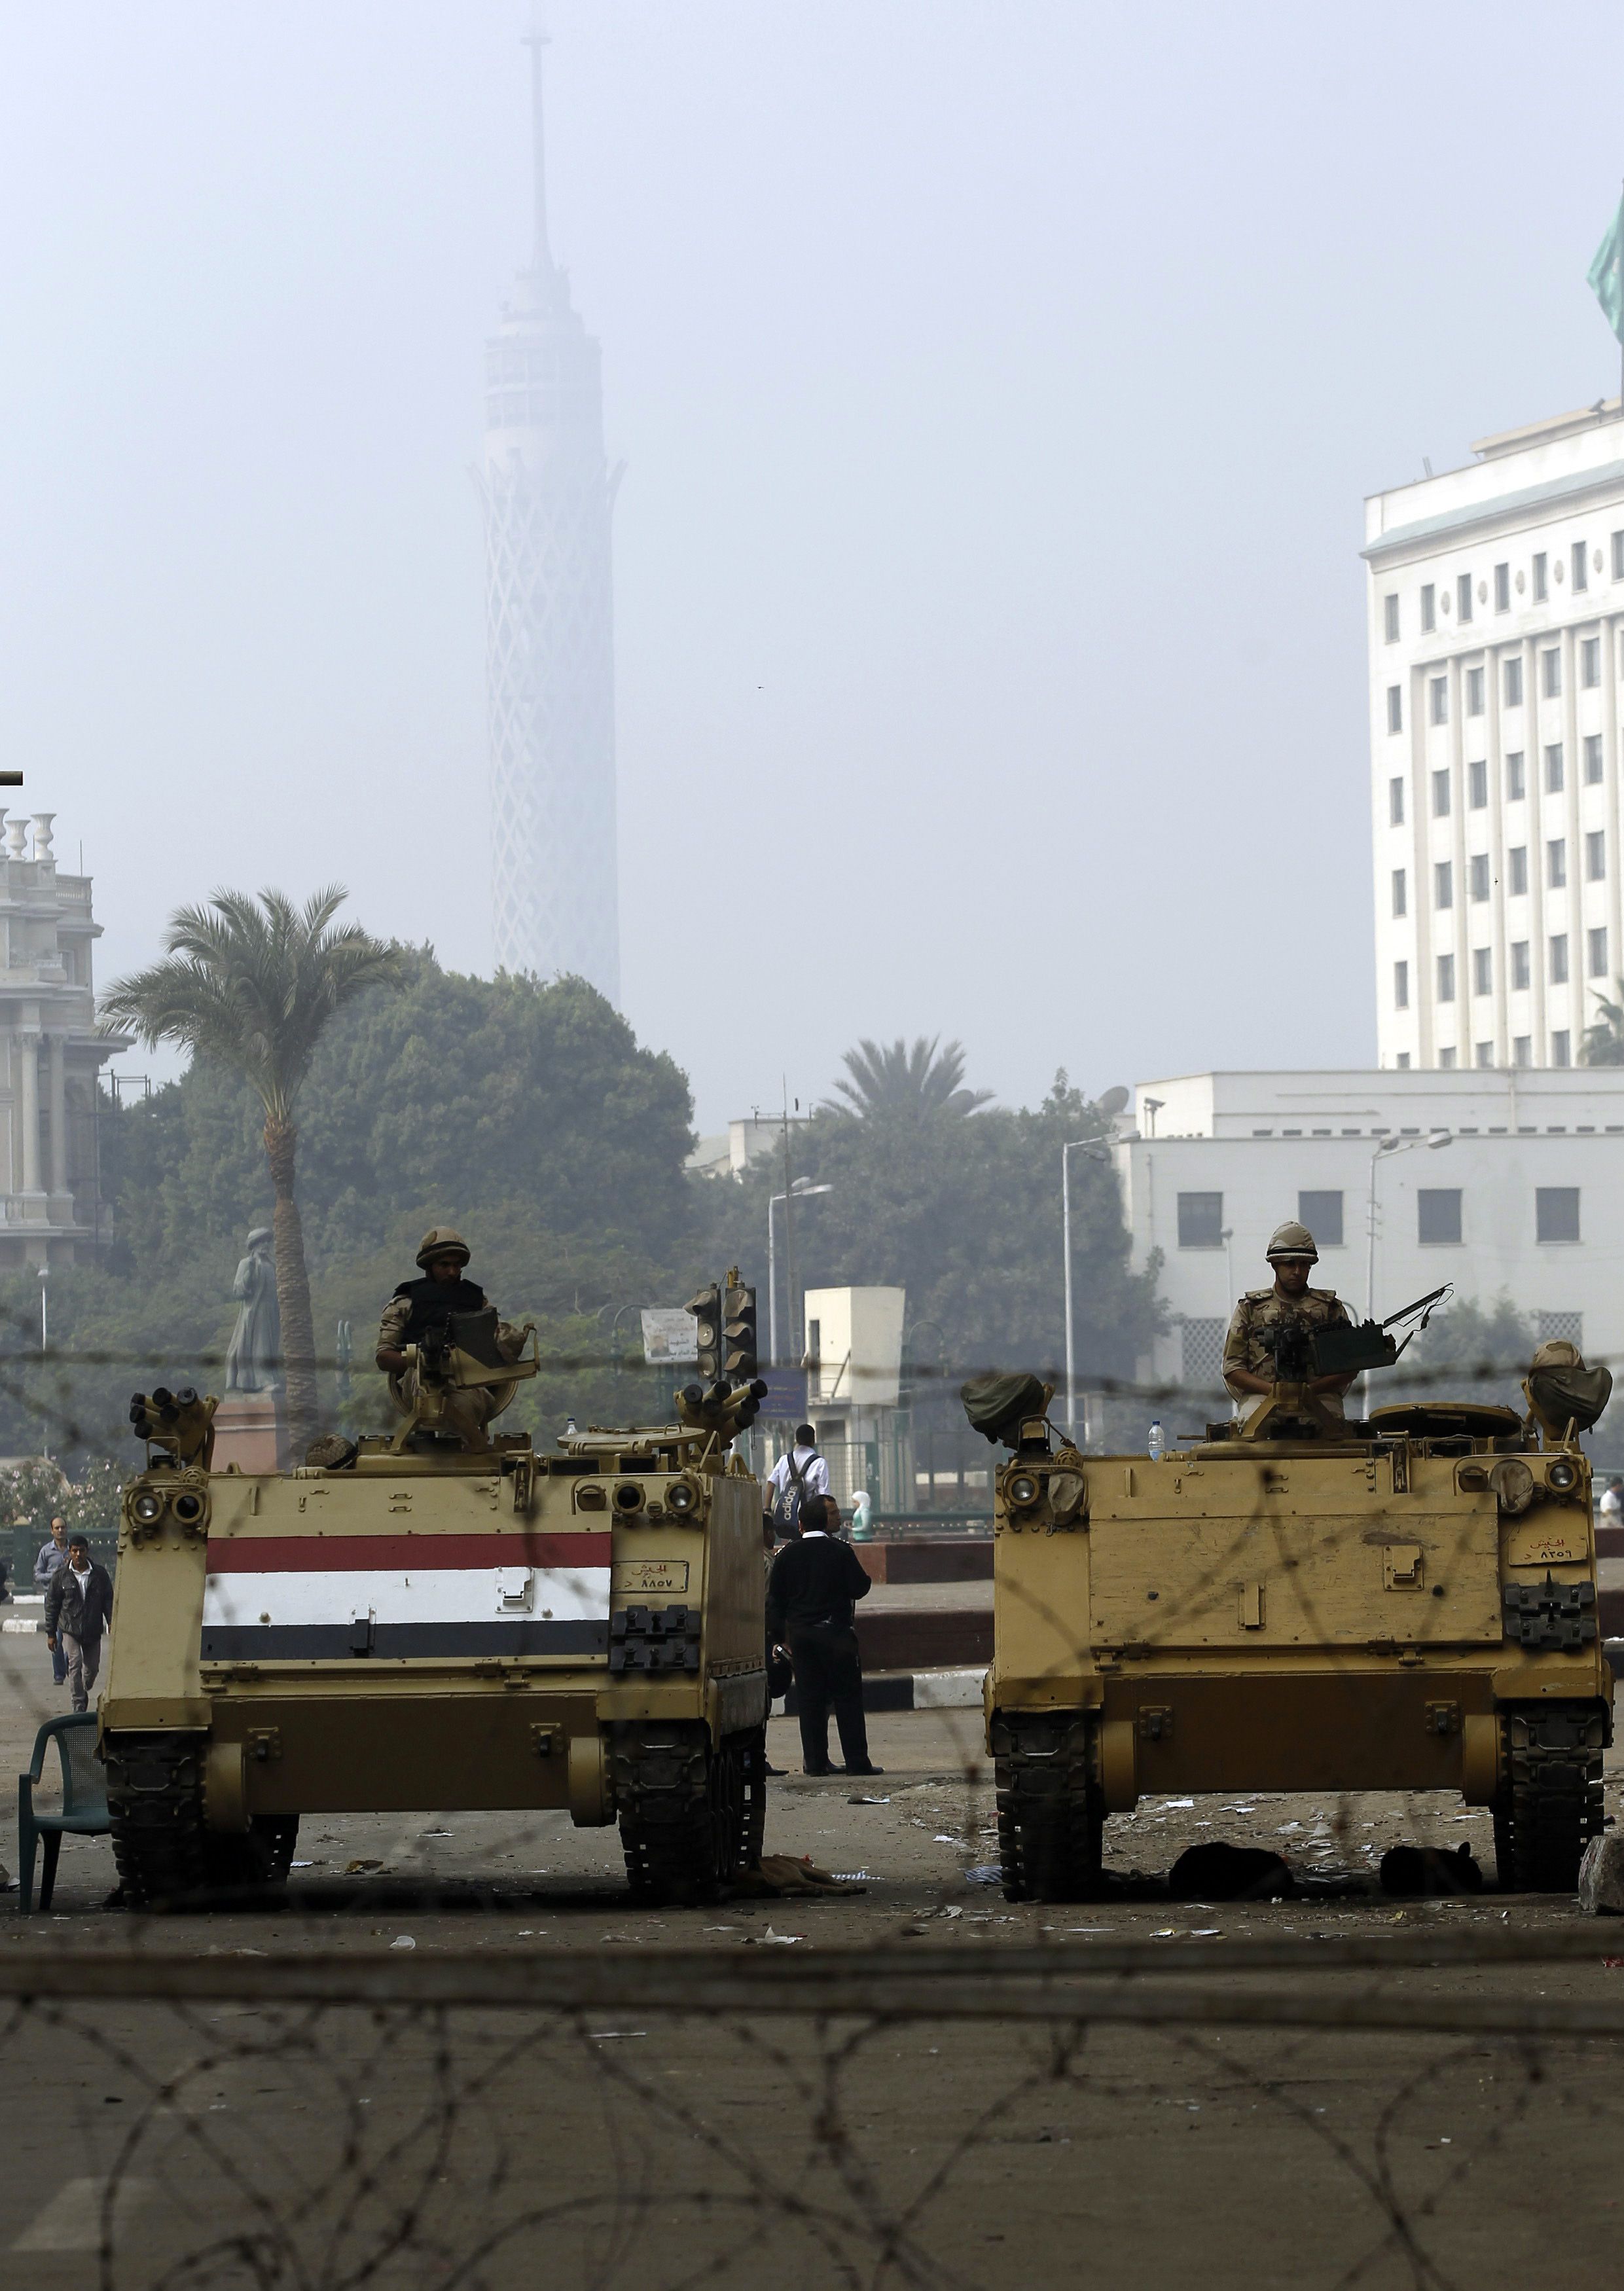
[[253, 1356]]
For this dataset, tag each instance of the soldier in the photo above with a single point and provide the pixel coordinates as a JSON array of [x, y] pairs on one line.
[[419, 1308], [1248, 1354]]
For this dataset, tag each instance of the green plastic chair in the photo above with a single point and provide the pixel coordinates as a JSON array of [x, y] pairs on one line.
[[83, 1809]]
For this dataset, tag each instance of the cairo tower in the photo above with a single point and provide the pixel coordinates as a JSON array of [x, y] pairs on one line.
[[549, 625]]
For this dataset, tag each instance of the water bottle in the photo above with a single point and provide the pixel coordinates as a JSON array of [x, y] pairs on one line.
[[569, 1426], [1158, 1440]]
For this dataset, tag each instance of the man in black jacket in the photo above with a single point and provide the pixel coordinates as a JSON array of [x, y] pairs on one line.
[[809, 1597], [78, 1609]]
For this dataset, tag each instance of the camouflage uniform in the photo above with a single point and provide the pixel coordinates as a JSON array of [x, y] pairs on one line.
[[1257, 1316]]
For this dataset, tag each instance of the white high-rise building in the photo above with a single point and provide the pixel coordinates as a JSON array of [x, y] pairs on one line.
[[1496, 649], [550, 626]]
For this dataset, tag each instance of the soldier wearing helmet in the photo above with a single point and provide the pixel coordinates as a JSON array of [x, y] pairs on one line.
[[419, 1308], [1249, 1348]]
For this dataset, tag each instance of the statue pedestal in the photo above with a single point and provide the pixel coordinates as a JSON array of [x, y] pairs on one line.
[[248, 1432]]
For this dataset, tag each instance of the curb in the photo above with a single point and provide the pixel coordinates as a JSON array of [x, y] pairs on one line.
[[908, 1690]]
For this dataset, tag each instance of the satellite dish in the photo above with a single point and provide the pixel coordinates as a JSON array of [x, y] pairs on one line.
[[1113, 1101]]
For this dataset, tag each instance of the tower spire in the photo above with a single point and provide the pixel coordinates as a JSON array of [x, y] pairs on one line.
[[535, 40]]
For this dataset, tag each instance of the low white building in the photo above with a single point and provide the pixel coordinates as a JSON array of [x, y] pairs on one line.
[[1498, 1181]]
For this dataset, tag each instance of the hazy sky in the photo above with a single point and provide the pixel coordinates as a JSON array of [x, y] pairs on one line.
[[999, 385]]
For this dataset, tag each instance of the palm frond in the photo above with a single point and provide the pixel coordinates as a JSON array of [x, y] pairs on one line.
[[898, 1078]]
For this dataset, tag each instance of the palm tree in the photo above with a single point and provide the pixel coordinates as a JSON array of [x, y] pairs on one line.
[[896, 1079], [252, 984], [1604, 1042]]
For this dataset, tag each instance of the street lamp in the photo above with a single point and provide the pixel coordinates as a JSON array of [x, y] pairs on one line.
[[802, 1190], [44, 1313], [1389, 1145], [1096, 1152]]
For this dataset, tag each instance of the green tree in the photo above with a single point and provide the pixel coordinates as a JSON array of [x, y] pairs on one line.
[[1467, 1351], [1604, 1042], [253, 984], [893, 1079]]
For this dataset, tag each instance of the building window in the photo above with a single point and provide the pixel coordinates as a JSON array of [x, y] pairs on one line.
[[1550, 674], [1484, 1055], [1590, 661], [1516, 785], [1519, 962], [1321, 1213], [1201, 1221], [1561, 1329], [1400, 892], [1514, 683], [1396, 803], [1556, 1212], [1443, 883], [1446, 1057], [1479, 866], [1502, 588], [1618, 556], [1446, 979], [1439, 688], [1516, 867], [1477, 782], [1474, 692], [1523, 1050], [1559, 1050], [1401, 986], [1553, 768], [1202, 1365], [1440, 795], [1463, 596], [1581, 576], [1559, 957], [1557, 863], [1402, 1061], [1429, 613], [1437, 1219], [1596, 953], [1483, 971], [1595, 856], [1541, 586], [1396, 708], [1389, 613], [1593, 759]]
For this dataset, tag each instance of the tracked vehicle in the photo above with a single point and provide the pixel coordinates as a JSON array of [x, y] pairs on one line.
[[446, 1619], [1297, 1603]]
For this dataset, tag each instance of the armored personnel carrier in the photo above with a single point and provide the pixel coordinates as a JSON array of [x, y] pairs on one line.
[[448, 1617], [1297, 1602]]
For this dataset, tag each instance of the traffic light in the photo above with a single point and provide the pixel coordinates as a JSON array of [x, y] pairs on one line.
[[707, 1311], [739, 1335]]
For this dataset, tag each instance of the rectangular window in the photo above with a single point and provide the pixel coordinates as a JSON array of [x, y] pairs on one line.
[[1550, 674], [1463, 598], [1556, 1212], [1553, 768], [1400, 892], [1443, 883], [1559, 1050], [1201, 1350], [1541, 585], [1618, 556], [1429, 608], [1439, 689], [1437, 1219], [1321, 1213], [1401, 986], [1479, 866], [1446, 979], [1446, 1057], [1440, 795], [1402, 1061], [1582, 571], [1483, 971], [1201, 1221], [1484, 1054], [1596, 953], [1517, 868], [1477, 782], [1561, 1328], [1516, 785], [1396, 708], [1559, 959], [1396, 803], [1557, 863], [1590, 661], [1595, 856], [1523, 1050], [1519, 962], [1514, 683], [1390, 613], [1474, 692], [1502, 588], [1593, 759]]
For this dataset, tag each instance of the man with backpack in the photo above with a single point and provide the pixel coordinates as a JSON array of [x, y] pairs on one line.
[[800, 1473]]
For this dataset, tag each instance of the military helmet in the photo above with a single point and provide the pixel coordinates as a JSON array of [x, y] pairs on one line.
[[440, 1240], [1292, 1239]]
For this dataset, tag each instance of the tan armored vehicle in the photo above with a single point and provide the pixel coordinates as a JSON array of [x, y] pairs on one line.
[[446, 1618], [1295, 1603]]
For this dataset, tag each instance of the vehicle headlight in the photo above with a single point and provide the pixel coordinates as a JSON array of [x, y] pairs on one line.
[[682, 1497], [148, 1507], [188, 1508], [1022, 1489], [628, 1497], [1562, 1475]]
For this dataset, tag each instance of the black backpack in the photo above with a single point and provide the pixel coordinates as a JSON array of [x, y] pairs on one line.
[[788, 1499]]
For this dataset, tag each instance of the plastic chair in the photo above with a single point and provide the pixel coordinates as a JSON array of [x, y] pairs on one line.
[[83, 1809]]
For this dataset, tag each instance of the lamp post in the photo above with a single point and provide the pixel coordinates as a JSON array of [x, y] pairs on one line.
[[1389, 1145], [1096, 1153], [44, 1313], [802, 1190]]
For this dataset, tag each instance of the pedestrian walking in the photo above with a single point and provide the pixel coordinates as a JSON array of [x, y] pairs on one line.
[[815, 1583], [1613, 1501], [53, 1553], [78, 1609], [796, 1475]]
